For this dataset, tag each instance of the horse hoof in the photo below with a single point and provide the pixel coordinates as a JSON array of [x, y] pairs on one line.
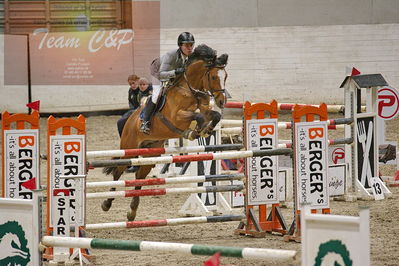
[[131, 215], [205, 134], [193, 135], [106, 205]]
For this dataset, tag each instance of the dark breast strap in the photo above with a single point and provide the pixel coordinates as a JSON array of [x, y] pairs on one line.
[[168, 124]]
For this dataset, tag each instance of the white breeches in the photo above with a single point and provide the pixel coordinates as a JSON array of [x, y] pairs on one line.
[[156, 90]]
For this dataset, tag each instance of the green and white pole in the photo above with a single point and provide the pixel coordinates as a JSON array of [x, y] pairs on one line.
[[148, 246]]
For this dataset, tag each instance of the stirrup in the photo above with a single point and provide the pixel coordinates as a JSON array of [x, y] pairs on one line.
[[132, 169], [145, 127]]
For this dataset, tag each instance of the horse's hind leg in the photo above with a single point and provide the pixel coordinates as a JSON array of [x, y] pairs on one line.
[[116, 172], [134, 204]]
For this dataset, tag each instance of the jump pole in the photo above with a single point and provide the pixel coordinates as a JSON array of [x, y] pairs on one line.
[[163, 191], [166, 222], [158, 151], [227, 123], [189, 158], [238, 130], [164, 181], [289, 106], [190, 249]]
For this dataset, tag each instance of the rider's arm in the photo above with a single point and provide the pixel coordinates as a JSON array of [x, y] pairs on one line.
[[167, 68]]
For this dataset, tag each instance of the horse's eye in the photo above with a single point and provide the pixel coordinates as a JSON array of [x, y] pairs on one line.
[[214, 77]]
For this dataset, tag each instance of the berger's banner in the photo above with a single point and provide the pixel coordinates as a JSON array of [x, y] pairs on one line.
[[21, 162], [262, 171], [67, 159], [311, 150]]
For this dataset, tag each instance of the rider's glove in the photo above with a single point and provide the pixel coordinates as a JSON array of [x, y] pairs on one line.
[[179, 70]]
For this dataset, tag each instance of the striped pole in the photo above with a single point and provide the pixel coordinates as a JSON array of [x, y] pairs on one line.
[[231, 130], [163, 191], [330, 108], [163, 181], [331, 142], [149, 246], [189, 158], [288, 106], [158, 151], [167, 222], [239, 130], [332, 123]]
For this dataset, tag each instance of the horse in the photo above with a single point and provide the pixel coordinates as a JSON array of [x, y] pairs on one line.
[[190, 92]]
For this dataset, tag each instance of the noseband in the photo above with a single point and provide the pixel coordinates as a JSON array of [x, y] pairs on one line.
[[209, 80]]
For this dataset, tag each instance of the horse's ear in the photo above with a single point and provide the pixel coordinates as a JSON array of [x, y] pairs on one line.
[[222, 60]]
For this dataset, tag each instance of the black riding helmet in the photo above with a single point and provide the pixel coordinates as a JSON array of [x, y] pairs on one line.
[[185, 37]]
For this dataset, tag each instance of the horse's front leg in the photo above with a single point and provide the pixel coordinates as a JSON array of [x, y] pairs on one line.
[[188, 117], [213, 119]]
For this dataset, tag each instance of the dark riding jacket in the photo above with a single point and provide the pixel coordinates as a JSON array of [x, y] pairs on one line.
[[163, 68], [132, 98], [139, 95]]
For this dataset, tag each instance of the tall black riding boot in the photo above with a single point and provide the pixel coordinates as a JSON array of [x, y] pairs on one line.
[[148, 111]]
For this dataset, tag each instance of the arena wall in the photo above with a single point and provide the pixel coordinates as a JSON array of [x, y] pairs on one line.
[[267, 13], [287, 51], [14, 97]]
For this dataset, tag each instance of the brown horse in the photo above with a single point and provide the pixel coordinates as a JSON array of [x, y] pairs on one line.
[[187, 100]]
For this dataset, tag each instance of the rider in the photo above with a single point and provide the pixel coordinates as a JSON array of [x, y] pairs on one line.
[[164, 69]]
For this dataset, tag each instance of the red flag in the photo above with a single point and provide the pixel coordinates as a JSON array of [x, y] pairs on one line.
[[213, 261], [30, 184], [34, 105], [355, 72], [396, 176]]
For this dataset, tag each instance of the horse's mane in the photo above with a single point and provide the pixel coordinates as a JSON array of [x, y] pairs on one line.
[[202, 52]]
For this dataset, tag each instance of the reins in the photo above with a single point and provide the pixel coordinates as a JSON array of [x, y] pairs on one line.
[[195, 92]]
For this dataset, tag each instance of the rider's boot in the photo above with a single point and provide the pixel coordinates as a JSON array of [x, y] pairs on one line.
[[148, 111]]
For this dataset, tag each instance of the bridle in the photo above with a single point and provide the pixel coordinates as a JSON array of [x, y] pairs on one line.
[[210, 91]]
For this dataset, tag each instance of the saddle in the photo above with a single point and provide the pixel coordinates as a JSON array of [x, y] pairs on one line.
[[161, 100]]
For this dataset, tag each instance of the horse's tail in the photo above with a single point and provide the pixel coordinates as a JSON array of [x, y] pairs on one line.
[[110, 169]]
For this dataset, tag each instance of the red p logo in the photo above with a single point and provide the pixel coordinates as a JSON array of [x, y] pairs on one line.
[[388, 103], [338, 154]]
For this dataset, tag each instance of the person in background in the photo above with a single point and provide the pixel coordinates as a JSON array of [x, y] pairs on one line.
[[133, 93], [145, 90], [133, 81]]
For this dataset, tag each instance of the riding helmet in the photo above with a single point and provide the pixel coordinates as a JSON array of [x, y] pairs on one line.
[[185, 37]]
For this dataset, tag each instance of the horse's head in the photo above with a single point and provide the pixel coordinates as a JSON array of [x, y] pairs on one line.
[[212, 80], [203, 69]]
